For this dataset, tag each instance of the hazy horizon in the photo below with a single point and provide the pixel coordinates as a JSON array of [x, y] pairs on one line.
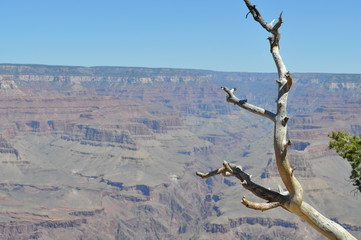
[[175, 68], [212, 35]]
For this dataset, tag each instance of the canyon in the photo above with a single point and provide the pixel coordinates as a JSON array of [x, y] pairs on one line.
[[111, 152]]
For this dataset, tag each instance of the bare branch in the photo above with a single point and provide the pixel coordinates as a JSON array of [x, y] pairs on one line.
[[257, 16], [278, 24], [221, 170], [249, 107], [280, 118], [274, 39], [256, 189], [260, 206], [229, 169]]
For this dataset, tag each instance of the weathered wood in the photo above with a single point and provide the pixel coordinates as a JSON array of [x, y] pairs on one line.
[[292, 201], [260, 206], [245, 105]]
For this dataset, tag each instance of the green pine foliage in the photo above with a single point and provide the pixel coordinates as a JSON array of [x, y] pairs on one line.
[[349, 147]]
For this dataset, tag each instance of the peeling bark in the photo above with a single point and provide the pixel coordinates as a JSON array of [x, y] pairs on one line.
[[293, 200]]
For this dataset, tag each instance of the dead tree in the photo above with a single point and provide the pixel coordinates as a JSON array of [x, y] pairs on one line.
[[292, 199]]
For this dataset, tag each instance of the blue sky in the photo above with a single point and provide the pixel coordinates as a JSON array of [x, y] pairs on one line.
[[317, 36]]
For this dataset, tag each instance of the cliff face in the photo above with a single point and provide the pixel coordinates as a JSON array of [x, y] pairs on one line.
[[110, 153]]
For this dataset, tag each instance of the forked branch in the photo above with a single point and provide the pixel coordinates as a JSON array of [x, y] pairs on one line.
[[229, 169], [274, 39]]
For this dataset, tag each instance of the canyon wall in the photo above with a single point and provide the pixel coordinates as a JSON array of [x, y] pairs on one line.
[[111, 152]]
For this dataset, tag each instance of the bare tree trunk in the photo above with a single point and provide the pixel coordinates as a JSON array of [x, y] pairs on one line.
[[293, 200]]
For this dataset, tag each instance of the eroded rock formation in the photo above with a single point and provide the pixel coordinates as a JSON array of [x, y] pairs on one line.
[[107, 153]]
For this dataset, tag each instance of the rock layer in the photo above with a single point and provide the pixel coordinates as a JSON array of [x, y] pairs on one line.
[[110, 152]]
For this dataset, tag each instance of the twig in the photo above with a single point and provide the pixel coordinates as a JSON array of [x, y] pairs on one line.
[[260, 206]]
